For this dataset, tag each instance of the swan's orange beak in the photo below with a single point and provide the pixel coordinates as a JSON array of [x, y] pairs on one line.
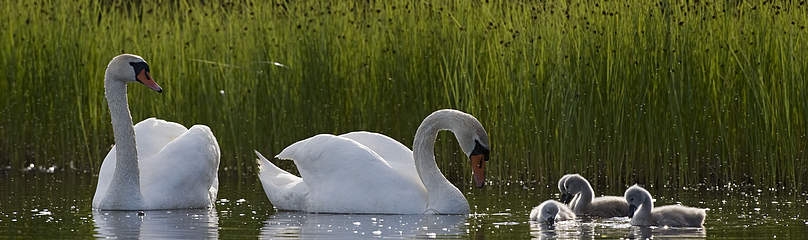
[[144, 78], [478, 169]]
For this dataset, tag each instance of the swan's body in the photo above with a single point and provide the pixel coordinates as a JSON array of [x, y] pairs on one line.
[[643, 212], [155, 164], [586, 204], [551, 211], [364, 172]]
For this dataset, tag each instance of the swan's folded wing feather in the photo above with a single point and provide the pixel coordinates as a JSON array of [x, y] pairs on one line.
[[284, 190], [389, 149], [327, 157], [345, 176], [153, 134], [396, 154], [184, 172]]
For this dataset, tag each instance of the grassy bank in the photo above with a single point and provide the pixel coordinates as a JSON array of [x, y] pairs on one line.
[[659, 93]]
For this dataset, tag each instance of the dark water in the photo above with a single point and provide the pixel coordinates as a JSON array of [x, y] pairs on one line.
[[37, 204]]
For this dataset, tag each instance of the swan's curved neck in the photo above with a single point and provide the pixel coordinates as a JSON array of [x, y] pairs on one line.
[[443, 196], [642, 215], [126, 178], [647, 205], [586, 194]]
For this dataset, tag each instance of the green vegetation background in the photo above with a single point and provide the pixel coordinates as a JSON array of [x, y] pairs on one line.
[[671, 93]]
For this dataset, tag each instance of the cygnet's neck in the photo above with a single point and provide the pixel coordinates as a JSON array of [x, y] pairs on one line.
[[586, 193]]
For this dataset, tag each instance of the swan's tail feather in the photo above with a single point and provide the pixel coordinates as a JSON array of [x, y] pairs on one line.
[[265, 167], [285, 190]]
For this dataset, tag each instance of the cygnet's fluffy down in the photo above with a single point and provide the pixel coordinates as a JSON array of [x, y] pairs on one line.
[[643, 212], [577, 192], [551, 211]]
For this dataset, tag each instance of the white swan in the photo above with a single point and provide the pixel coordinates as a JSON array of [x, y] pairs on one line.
[[585, 204], [155, 164], [643, 213], [551, 211], [365, 172]]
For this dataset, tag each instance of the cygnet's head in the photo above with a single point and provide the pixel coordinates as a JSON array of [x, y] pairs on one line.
[[131, 68], [566, 196], [574, 184], [548, 211], [636, 196]]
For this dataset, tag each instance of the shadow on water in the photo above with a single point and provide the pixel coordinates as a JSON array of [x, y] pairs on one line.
[[174, 224], [341, 226]]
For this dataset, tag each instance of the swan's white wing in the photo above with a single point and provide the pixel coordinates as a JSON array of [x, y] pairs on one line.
[[345, 176], [184, 173], [151, 135], [393, 152], [388, 148], [285, 190]]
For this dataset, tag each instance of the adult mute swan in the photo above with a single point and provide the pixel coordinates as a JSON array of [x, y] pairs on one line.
[[155, 164], [364, 172], [551, 211], [643, 213], [586, 204]]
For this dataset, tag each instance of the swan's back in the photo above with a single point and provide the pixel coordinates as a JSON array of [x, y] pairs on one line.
[[153, 134], [341, 174], [678, 216], [389, 149], [393, 152], [608, 206]]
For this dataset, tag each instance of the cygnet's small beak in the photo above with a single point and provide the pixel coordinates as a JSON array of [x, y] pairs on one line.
[[144, 78]]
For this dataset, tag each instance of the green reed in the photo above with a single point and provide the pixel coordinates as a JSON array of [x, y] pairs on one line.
[[663, 92]]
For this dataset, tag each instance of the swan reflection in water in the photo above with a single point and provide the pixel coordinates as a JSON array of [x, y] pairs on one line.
[[352, 226], [647, 232], [618, 227], [562, 230], [157, 224]]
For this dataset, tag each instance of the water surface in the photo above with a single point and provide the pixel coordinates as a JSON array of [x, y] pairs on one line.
[[38, 204]]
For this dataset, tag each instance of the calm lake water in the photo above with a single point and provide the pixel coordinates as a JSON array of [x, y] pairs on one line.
[[38, 204]]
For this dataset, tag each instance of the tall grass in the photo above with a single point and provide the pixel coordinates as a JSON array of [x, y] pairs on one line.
[[656, 92]]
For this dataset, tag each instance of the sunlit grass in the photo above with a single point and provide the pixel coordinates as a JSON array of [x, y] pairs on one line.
[[653, 92]]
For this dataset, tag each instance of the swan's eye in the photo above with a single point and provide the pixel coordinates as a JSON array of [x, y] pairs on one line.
[[139, 67], [480, 149]]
